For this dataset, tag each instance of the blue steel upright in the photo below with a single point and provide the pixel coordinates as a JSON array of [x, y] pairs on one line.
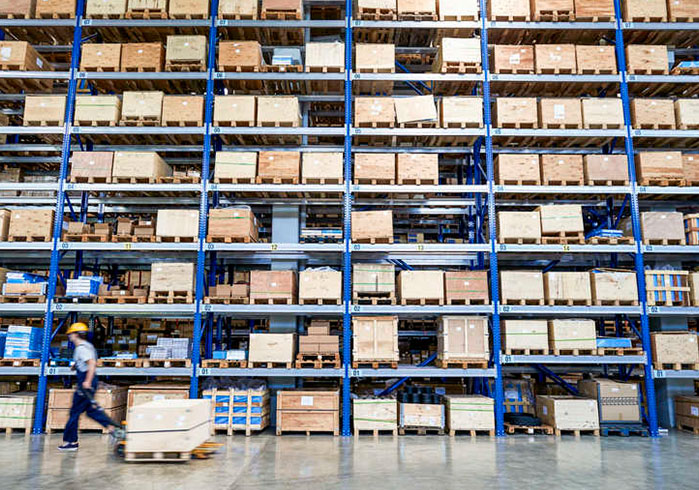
[[635, 219], [38, 427], [204, 201]]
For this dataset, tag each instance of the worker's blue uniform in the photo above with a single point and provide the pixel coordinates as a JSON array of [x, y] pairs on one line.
[[83, 352]]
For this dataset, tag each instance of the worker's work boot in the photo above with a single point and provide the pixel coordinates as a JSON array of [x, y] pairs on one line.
[[68, 446]]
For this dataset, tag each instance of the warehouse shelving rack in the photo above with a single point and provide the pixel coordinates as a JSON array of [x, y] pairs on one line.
[[348, 194]]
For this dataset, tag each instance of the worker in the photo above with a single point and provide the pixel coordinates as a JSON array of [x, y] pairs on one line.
[[85, 365]]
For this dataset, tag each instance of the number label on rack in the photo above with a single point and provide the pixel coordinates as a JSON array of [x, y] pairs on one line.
[[499, 188], [355, 373], [565, 248], [213, 187], [643, 189], [507, 359], [356, 247], [207, 307], [128, 246], [58, 306], [653, 309], [502, 247], [81, 75], [637, 132], [65, 245], [204, 371], [658, 374], [497, 131], [357, 131], [356, 76], [76, 129], [216, 130], [355, 188], [210, 246], [219, 75], [648, 248], [222, 23], [87, 22], [69, 186], [356, 308], [274, 246], [505, 309], [51, 371]]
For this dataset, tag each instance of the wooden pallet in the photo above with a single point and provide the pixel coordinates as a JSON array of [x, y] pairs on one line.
[[186, 66], [160, 457], [422, 301], [95, 123], [376, 432], [614, 302], [517, 125], [140, 121], [13, 430], [461, 363], [561, 15], [146, 14], [421, 431], [270, 365], [654, 126], [460, 67], [376, 14], [23, 298], [608, 240], [170, 297], [374, 181], [607, 183], [224, 363], [664, 241], [75, 299], [28, 238], [229, 239], [167, 363], [133, 238], [283, 68], [277, 180], [178, 180], [233, 180], [373, 240], [522, 302], [603, 126], [373, 298], [134, 180], [472, 432], [216, 300], [308, 433], [519, 241], [574, 352], [670, 302], [624, 430], [526, 352], [320, 301], [619, 351], [663, 182], [122, 300], [467, 301], [519, 182], [375, 364], [563, 182], [564, 238], [528, 429], [688, 428], [318, 361], [286, 14], [235, 124], [85, 237], [43, 123], [569, 302], [576, 432], [418, 182], [324, 69], [20, 362], [271, 301], [119, 363], [676, 366], [176, 239], [89, 180]]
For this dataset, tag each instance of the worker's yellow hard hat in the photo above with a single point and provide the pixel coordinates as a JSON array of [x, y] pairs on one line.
[[77, 327]]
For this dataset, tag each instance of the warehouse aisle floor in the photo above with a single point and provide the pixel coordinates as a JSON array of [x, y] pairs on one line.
[[319, 462]]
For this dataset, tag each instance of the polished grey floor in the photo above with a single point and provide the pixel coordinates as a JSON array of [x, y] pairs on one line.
[[319, 462]]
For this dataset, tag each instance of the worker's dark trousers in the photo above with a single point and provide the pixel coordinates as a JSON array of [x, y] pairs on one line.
[[82, 404]]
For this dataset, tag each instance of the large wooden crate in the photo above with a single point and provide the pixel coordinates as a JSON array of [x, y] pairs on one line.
[[375, 58], [97, 110], [185, 53], [690, 164], [513, 59], [31, 224], [112, 400], [240, 56], [273, 287], [602, 113], [172, 276], [142, 108], [519, 227], [674, 348], [320, 286], [372, 226], [419, 111], [140, 394], [555, 58], [596, 60], [279, 111], [470, 413], [462, 338], [644, 59], [420, 287], [553, 10], [567, 412], [375, 414], [594, 10], [105, 9], [139, 165], [232, 224], [461, 112], [272, 348], [374, 168], [375, 339], [308, 411], [612, 287], [21, 56], [512, 10], [325, 57], [606, 170], [142, 57], [561, 218], [235, 167], [231, 410], [322, 168], [91, 166], [458, 55], [683, 11], [458, 10], [659, 168], [238, 9], [183, 110], [17, 411], [100, 57], [278, 167], [188, 9], [17, 9], [417, 168], [516, 112], [645, 10], [466, 287], [234, 110], [687, 113], [373, 280], [653, 113], [177, 223], [517, 169], [421, 416], [374, 112], [522, 287], [526, 336], [567, 288], [572, 335], [687, 413], [562, 170], [662, 228], [560, 113], [667, 288], [44, 110]]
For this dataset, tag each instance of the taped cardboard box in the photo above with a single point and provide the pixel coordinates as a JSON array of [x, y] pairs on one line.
[[372, 226], [415, 109], [373, 278], [277, 165], [374, 414], [513, 59], [177, 223], [237, 223], [234, 110], [91, 164], [240, 55], [142, 57], [561, 218], [522, 285], [273, 286], [325, 57], [567, 287], [517, 169], [420, 286], [139, 165], [525, 334], [31, 222], [606, 170], [142, 106], [567, 412], [467, 287], [519, 227], [613, 287], [235, 167], [417, 168], [183, 110], [44, 110], [278, 111]]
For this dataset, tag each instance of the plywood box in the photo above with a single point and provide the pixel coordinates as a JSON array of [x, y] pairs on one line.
[[415, 109], [517, 169], [100, 57], [513, 10], [420, 286], [374, 112], [142, 106], [105, 9], [235, 167], [562, 170], [44, 110], [374, 414], [555, 58], [140, 394], [417, 168], [277, 166], [142, 57], [308, 411], [240, 56], [179, 223], [320, 284], [17, 410], [57, 418], [17, 9], [139, 165], [683, 11], [273, 287], [272, 347], [470, 412], [561, 218], [604, 113], [21, 56], [519, 227], [596, 60], [237, 223], [567, 412], [375, 58], [189, 9], [370, 278], [458, 10], [594, 10], [553, 10], [372, 226], [374, 168], [658, 166], [461, 112], [238, 9], [103, 110], [106, 396], [466, 287], [375, 338], [322, 168], [94, 164], [644, 59], [172, 276], [463, 338], [525, 334], [617, 402], [674, 348], [422, 415], [613, 287], [516, 112], [513, 59], [662, 226], [560, 113], [325, 57], [185, 51], [606, 170], [521, 286], [567, 287], [183, 110], [687, 113], [645, 10], [234, 110], [278, 111], [31, 222], [653, 113], [460, 55]]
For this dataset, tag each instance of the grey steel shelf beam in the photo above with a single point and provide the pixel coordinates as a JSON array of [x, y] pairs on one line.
[[26, 245], [544, 78], [37, 23], [147, 309], [664, 133], [556, 26], [281, 24], [419, 77], [426, 248], [145, 24], [131, 246], [31, 130], [9, 309], [569, 310], [418, 372], [405, 24], [670, 249], [164, 75], [135, 130], [271, 188], [419, 189], [687, 311], [34, 75], [416, 132], [338, 131], [693, 79], [539, 359], [659, 26], [132, 187], [279, 248], [272, 372], [278, 76], [19, 371], [420, 310], [511, 248], [253, 310], [23, 186], [688, 374], [565, 133], [558, 189], [642, 189], [124, 371]]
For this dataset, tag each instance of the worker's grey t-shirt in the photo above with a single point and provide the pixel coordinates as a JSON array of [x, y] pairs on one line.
[[83, 353]]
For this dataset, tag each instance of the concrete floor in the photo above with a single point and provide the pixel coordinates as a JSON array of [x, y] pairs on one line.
[[324, 462]]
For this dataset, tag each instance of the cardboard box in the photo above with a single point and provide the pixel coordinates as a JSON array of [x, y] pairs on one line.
[[596, 60], [562, 170], [17, 9], [237, 223], [278, 111], [142, 57], [660, 226], [654, 167], [375, 58], [319, 344], [653, 113], [183, 110], [517, 169], [374, 112], [100, 57], [91, 164], [145, 106], [172, 276], [555, 58], [645, 10], [21, 56], [415, 109], [237, 9], [31, 222], [322, 168], [101, 9], [518, 10], [103, 110], [234, 110], [687, 113], [375, 338], [683, 11], [525, 334], [606, 170], [522, 285], [178, 223], [140, 165], [320, 284], [44, 110], [272, 347], [467, 287], [460, 54], [470, 412], [559, 218], [325, 57], [519, 227], [373, 278], [308, 411], [417, 168], [617, 402], [422, 415], [567, 412], [370, 226], [420, 285], [615, 287], [603, 113], [516, 112], [567, 287], [186, 9], [374, 168], [513, 59], [235, 167], [461, 112], [674, 348], [273, 286], [276, 165], [374, 414], [240, 56], [594, 10], [553, 10], [185, 51], [647, 59], [463, 337], [560, 113]]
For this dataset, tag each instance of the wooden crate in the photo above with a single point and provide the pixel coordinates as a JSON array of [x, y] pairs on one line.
[[375, 58], [562, 170], [567, 288], [691, 230], [644, 59], [421, 287], [17, 9], [690, 164], [553, 10], [278, 167], [560, 113], [653, 113], [525, 335], [183, 110], [372, 226], [172, 276], [667, 288], [660, 168], [177, 223], [142, 57], [245, 410], [374, 168], [234, 110], [596, 60], [274, 287], [675, 348], [17, 411], [594, 10], [461, 112], [21, 56], [272, 347], [188, 9], [645, 10], [606, 170], [373, 279], [322, 168], [375, 414], [95, 166], [568, 412], [308, 411], [374, 112], [97, 110], [517, 169], [603, 113], [466, 287], [512, 10], [320, 286], [662, 228], [105, 9], [421, 415], [139, 165], [513, 59], [559, 218], [522, 287], [375, 338], [142, 108], [462, 338], [516, 112], [572, 335], [31, 224], [683, 11], [458, 55], [235, 167], [687, 413], [279, 111], [613, 287], [100, 57], [325, 57], [470, 413], [519, 227], [687, 113], [44, 110], [240, 56], [458, 10], [185, 53], [555, 58], [415, 111], [238, 9], [417, 168]]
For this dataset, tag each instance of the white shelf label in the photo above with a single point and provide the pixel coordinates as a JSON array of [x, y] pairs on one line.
[[51, 371], [204, 371], [355, 373]]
